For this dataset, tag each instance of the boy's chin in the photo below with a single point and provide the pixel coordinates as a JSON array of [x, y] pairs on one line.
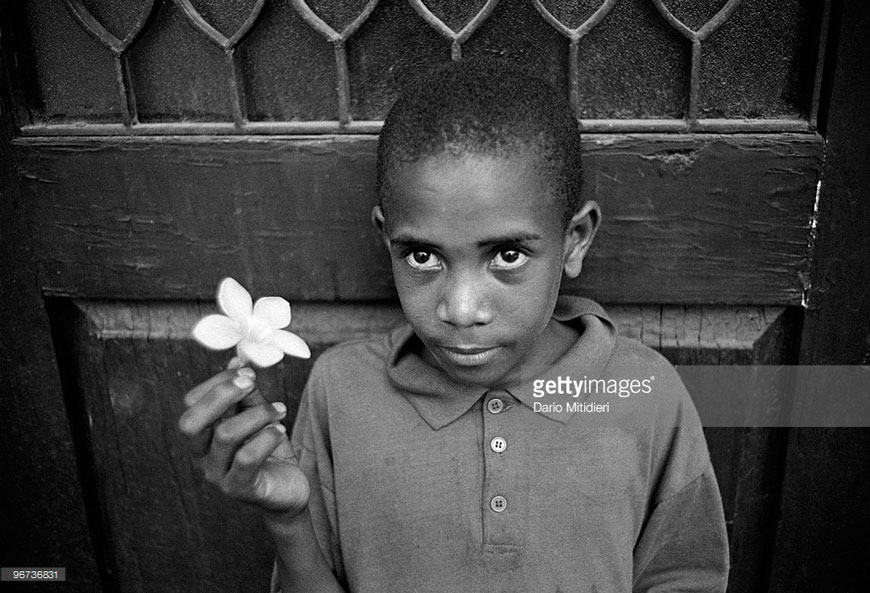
[[489, 376], [492, 373]]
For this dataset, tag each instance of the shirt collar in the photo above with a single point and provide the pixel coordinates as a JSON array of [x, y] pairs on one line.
[[440, 400]]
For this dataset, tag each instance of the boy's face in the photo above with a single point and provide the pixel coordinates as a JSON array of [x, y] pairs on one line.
[[478, 250]]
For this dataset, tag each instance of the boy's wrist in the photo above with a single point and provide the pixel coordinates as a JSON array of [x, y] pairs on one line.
[[300, 561], [285, 523]]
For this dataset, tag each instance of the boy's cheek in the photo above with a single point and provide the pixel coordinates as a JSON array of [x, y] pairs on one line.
[[415, 300], [406, 287], [400, 276], [413, 284]]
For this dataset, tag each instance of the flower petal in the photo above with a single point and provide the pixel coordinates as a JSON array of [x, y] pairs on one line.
[[217, 332], [234, 300], [289, 343], [273, 310], [262, 355]]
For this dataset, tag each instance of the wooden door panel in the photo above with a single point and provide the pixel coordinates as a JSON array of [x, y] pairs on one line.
[[693, 219], [162, 526]]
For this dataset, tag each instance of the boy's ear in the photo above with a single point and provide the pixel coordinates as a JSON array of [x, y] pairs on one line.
[[380, 225], [578, 237]]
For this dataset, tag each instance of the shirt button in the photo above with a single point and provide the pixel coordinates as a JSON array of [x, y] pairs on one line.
[[498, 503], [495, 405], [498, 444]]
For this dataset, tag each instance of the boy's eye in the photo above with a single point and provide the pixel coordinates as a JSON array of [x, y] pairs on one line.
[[508, 259], [423, 260]]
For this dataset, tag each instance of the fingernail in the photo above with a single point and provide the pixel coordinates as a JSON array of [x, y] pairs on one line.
[[234, 363], [248, 372], [280, 427], [243, 382], [280, 408]]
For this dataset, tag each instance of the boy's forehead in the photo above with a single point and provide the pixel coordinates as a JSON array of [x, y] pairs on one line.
[[471, 189], [468, 172]]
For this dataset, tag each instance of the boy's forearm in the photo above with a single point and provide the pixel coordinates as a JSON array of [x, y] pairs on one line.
[[301, 564]]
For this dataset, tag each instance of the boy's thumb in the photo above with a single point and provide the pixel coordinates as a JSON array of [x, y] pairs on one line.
[[256, 397]]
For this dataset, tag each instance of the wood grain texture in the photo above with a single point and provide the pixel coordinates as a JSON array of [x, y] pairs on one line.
[[169, 531], [43, 516], [687, 218], [823, 540], [135, 361]]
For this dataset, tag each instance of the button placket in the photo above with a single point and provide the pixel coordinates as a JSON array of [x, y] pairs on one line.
[[496, 404], [505, 486]]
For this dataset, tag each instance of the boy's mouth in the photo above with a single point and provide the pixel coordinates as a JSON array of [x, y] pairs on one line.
[[469, 356]]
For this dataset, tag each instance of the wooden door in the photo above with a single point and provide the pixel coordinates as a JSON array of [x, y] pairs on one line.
[[152, 147]]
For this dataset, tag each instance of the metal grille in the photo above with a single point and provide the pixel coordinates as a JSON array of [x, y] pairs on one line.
[[264, 67]]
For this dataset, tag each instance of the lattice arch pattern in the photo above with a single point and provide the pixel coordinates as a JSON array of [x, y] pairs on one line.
[[324, 66]]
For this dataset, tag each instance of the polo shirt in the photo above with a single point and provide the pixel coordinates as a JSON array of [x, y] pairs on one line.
[[420, 483]]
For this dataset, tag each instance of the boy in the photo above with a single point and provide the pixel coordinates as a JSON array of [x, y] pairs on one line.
[[446, 456]]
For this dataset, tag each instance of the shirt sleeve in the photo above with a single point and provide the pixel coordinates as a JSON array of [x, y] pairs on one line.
[[311, 445], [682, 544]]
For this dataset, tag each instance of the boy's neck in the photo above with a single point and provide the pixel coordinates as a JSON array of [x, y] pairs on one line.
[[556, 339]]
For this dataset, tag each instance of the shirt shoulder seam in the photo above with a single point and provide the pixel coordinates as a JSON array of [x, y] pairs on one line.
[[685, 487]]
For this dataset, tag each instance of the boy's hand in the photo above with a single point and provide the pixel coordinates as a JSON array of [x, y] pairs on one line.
[[240, 442]]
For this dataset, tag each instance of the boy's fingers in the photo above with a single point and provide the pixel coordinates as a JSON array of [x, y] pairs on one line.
[[197, 392], [200, 390], [231, 434], [196, 422], [249, 459], [254, 398]]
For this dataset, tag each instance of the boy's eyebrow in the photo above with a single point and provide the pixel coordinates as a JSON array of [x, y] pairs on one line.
[[509, 239], [409, 241], [513, 238]]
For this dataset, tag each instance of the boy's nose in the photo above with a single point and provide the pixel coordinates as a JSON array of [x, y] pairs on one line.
[[463, 302]]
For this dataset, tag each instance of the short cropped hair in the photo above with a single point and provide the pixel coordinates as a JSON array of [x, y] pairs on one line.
[[484, 107]]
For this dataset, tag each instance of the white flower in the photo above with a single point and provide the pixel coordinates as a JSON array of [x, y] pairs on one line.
[[255, 329]]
